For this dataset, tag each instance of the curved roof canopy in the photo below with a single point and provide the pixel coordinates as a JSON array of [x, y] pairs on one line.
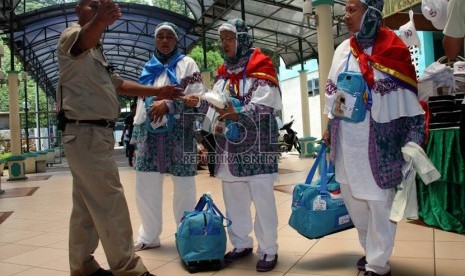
[[277, 25], [128, 43]]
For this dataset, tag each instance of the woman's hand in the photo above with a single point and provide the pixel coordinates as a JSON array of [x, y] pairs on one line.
[[191, 100], [228, 113], [327, 138], [169, 92], [157, 110]]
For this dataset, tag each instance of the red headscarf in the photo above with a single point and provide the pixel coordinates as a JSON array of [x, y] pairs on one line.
[[259, 66], [390, 55]]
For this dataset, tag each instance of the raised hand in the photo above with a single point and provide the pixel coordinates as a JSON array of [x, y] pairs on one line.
[[169, 92], [108, 12]]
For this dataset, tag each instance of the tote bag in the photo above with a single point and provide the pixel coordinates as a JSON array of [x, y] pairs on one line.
[[318, 209], [201, 236]]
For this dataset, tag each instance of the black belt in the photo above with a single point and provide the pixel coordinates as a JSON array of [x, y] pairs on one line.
[[102, 123]]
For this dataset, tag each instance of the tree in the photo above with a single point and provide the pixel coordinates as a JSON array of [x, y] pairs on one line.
[[214, 58]]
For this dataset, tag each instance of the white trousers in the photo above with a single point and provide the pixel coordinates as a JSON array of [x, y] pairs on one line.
[[376, 231], [149, 200], [238, 197]]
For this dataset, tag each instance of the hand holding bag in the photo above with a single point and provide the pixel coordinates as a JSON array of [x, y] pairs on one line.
[[228, 128], [166, 125], [318, 209]]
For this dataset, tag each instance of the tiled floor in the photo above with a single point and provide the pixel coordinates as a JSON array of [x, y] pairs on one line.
[[34, 238]]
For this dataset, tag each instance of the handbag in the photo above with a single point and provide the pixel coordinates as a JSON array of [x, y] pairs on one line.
[[166, 124], [201, 237], [351, 94], [318, 209]]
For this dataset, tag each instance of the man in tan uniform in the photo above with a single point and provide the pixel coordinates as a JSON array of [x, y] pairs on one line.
[[87, 94]]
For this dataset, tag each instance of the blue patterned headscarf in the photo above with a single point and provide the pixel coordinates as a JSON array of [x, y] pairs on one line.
[[165, 58], [371, 22], [244, 40]]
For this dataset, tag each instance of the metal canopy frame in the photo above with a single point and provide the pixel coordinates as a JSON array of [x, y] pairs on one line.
[[128, 43], [276, 25], [279, 26]]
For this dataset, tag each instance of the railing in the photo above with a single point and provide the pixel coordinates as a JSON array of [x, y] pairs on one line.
[[394, 6]]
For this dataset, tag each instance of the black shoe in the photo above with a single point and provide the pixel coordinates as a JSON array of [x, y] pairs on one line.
[[263, 265], [371, 273], [102, 272], [361, 263], [148, 274], [234, 255]]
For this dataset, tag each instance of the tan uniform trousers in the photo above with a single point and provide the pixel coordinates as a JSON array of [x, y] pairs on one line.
[[100, 209]]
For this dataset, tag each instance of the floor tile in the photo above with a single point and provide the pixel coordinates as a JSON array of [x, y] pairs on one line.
[[412, 266], [37, 257], [34, 238], [11, 269], [4, 216], [441, 235], [9, 250], [449, 267], [450, 250], [42, 272], [413, 249], [327, 264], [18, 192], [44, 240]]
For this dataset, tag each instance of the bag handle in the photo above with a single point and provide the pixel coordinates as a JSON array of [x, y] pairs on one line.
[[210, 207], [318, 161], [321, 161]]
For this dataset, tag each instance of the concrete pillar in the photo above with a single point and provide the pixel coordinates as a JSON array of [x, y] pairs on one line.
[[325, 50], [206, 78], [14, 119], [304, 103]]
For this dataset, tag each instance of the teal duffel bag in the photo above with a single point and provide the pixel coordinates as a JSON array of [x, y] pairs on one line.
[[318, 209], [201, 237]]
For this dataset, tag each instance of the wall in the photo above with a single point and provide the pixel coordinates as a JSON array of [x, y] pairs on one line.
[[292, 106]]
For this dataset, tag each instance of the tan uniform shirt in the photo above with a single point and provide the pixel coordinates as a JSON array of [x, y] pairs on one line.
[[87, 87]]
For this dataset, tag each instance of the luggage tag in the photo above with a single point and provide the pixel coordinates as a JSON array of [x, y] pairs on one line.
[[319, 203], [156, 124], [344, 104]]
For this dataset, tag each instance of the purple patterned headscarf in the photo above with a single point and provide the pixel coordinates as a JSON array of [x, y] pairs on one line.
[[244, 40], [371, 22]]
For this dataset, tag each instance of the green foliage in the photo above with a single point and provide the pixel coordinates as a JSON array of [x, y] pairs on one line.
[[214, 58], [31, 95], [5, 155]]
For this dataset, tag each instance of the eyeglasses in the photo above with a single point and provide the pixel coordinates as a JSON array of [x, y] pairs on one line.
[[169, 37], [226, 39]]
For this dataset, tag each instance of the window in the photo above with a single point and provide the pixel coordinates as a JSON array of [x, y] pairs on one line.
[[313, 87]]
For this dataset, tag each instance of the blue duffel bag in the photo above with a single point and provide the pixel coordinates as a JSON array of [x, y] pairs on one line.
[[318, 208], [201, 237]]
